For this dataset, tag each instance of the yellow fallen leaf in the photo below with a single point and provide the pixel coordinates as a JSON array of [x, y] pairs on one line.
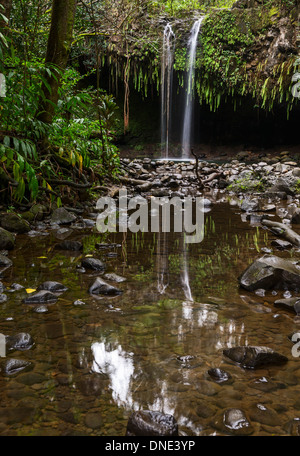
[[42, 257], [30, 290], [86, 256]]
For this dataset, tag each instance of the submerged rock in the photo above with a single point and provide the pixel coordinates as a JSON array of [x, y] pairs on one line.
[[93, 263], [41, 297], [14, 366], [269, 272], [75, 246], [7, 240], [252, 357], [218, 375], [54, 287], [21, 341], [147, 423], [101, 287], [292, 304], [233, 421]]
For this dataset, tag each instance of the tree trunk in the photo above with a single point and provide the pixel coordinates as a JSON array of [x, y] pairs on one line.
[[58, 48]]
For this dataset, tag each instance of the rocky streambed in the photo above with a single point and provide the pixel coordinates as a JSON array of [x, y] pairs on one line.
[[97, 326]]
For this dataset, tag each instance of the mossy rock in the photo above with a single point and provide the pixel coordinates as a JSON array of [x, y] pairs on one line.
[[7, 240], [14, 223]]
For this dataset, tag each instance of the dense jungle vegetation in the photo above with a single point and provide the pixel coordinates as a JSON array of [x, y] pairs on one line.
[[58, 129]]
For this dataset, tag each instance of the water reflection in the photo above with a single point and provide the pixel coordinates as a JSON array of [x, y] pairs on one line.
[[118, 365], [162, 263]]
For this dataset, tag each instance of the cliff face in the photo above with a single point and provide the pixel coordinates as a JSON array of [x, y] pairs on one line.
[[245, 62]]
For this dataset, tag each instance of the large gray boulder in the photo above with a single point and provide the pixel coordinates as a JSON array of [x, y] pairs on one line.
[[270, 272], [252, 357]]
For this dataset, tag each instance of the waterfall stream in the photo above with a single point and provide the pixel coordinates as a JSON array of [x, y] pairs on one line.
[[188, 110], [166, 87]]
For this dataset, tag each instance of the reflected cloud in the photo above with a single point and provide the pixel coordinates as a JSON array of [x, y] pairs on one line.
[[118, 365]]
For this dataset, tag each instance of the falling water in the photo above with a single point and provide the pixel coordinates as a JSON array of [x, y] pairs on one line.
[[188, 114], [166, 87]]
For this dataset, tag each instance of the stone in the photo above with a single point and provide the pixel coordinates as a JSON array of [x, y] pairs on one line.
[[292, 304], [264, 415], [148, 423], [31, 378], [253, 357], [219, 375], [61, 216], [21, 341], [270, 272], [281, 185], [15, 224], [233, 421], [93, 420], [296, 217], [79, 302], [7, 240], [54, 287], [5, 262], [75, 246], [40, 297], [281, 245], [14, 366], [249, 205], [38, 211], [3, 298], [114, 277], [93, 263], [16, 287], [101, 287]]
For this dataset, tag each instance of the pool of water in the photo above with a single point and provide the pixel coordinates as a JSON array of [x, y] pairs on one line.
[[94, 363]]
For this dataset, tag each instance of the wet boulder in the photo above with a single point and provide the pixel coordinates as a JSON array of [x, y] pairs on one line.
[[101, 287], [114, 277], [233, 421], [7, 240], [292, 304], [219, 375], [14, 366], [14, 224], [253, 357], [41, 297], [93, 263], [53, 287], [148, 423], [21, 341], [270, 272], [61, 216]]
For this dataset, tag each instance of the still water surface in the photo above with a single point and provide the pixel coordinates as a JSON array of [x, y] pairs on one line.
[[95, 362]]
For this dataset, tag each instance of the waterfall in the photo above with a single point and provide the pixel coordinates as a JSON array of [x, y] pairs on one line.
[[166, 87], [188, 112]]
